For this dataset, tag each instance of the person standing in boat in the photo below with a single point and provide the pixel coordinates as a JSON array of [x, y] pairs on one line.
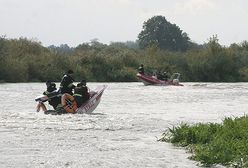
[[141, 69], [81, 93], [66, 85], [53, 99]]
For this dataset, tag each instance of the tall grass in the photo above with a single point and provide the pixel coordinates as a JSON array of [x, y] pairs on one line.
[[225, 143]]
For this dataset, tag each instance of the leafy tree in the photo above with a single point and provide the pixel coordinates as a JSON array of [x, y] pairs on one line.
[[127, 44], [158, 31], [3, 54], [63, 49]]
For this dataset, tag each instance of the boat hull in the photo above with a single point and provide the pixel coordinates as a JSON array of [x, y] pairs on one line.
[[151, 80], [92, 103]]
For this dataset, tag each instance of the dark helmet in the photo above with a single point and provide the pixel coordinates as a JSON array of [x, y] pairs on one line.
[[70, 72], [83, 82], [141, 65], [48, 82]]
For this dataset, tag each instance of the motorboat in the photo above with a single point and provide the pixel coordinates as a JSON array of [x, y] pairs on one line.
[[88, 107], [153, 80]]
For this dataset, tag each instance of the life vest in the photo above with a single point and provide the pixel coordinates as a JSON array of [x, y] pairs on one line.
[[68, 103], [81, 91], [51, 93]]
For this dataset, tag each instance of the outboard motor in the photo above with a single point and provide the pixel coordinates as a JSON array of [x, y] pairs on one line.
[[175, 81]]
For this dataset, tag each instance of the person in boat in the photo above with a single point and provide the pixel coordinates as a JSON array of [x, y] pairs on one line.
[[66, 85], [165, 76], [154, 74], [141, 69], [159, 75], [53, 99], [71, 103], [81, 93]]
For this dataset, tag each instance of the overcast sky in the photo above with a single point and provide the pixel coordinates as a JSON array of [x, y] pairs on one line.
[[77, 21]]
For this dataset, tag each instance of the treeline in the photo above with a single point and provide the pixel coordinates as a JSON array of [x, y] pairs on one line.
[[23, 60]]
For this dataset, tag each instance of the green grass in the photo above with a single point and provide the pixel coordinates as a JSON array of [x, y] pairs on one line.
[[225, 143]]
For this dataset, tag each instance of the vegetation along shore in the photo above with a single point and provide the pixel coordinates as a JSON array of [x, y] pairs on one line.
[[27, 60], [212, 143]]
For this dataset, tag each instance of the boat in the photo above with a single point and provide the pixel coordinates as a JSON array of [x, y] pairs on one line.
[[88, 107], [152, 80]]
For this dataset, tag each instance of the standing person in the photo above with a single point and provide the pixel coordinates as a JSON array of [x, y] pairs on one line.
[[52, 97], [141, 69], [66, 85], [81, 93]]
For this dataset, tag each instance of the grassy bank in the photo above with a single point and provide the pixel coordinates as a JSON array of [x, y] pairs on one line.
[[225, 143]]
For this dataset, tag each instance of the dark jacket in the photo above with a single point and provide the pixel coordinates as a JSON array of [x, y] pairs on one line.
[[81, 95], [51, 94], [66, 85]]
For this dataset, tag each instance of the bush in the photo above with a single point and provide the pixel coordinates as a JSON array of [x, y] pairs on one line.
[[224, 144], [23, 60]]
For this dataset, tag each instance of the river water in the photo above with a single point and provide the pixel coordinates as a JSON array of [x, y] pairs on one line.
[[123, 130]]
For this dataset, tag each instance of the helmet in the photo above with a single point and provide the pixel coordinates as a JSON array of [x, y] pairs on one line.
[[83, 82], [70, 72], [48, 82]]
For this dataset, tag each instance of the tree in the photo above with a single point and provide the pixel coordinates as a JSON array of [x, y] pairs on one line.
[[158, 31]]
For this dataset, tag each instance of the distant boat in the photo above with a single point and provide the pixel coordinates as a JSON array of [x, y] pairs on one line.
[[152, 80]]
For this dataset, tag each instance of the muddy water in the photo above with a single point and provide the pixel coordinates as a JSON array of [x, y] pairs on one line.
[[121, 132]]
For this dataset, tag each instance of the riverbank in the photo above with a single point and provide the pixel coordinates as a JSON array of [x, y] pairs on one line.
[[212, 143], [24, 60]]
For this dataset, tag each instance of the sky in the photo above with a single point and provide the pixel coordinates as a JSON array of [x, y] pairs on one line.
[[73, 22]]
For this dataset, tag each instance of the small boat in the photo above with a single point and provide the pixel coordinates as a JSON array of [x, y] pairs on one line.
[[152, 80], [88, 107]]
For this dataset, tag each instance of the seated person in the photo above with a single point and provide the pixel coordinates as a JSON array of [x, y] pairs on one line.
[[81, 93], [165, 76], [154, 74], [159, 75], [53, 99]]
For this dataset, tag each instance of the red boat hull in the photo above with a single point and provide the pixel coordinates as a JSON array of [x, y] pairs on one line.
[[93, 102], [151, 80]]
